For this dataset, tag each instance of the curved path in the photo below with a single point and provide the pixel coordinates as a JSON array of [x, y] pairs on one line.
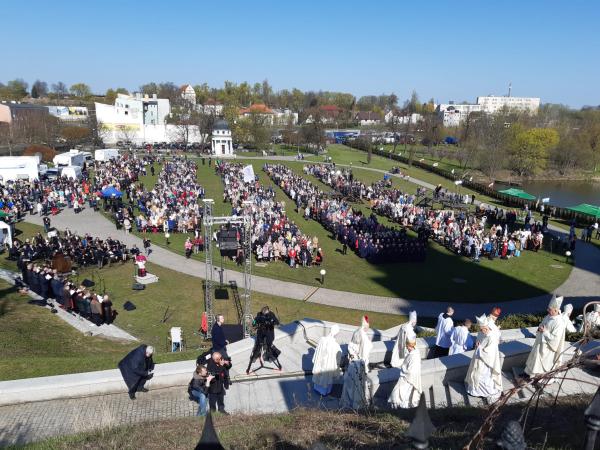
[[580, 287]]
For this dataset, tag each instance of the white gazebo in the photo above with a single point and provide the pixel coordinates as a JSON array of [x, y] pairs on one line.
[[222, 143]]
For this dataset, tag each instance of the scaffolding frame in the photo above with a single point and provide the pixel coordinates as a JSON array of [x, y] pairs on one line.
[[209, 221]]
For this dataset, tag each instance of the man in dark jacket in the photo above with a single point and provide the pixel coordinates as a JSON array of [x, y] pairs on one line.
[[219, 343], [218, 367], [137, 368]]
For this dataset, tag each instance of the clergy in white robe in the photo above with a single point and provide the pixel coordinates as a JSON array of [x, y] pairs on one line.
[[406, 333], [592, 318], [443, 329], [492, 318], [326, 362], [484, 377], [355, 390], [569, 327], [363, 342], [461, 339], [407, 392], [549, 341]]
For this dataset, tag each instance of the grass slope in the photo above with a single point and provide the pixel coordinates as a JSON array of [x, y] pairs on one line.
[[561, 427]]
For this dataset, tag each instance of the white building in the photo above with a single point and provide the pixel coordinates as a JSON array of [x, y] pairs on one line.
[[139, 119], [188, 93], [222, 143], [284, 117], [453, 115], [211, 107], [492, 104], [400, 118], [69, 113]]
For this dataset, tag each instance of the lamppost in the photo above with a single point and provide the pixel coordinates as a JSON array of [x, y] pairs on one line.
[[323, 273]]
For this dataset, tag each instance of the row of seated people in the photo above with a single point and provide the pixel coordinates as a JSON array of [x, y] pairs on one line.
[[47, 283], [81, 250], [298, 255]]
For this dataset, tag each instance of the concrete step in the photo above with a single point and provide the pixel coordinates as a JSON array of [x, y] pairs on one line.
[[441, 395], [508, 383], [458, 394], [527, 391]]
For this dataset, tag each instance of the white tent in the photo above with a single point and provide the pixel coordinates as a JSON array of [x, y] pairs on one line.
[[5, 234], [19, 167]]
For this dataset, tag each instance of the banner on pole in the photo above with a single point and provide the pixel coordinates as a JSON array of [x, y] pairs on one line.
[[248, 172]]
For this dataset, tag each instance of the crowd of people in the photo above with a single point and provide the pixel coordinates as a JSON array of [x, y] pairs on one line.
[[489, 232], [364, 235], [170, 206], [46, 265], [274, 236]]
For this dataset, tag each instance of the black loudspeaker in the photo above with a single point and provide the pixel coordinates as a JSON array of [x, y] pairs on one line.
[[138, 287], [228, 243]]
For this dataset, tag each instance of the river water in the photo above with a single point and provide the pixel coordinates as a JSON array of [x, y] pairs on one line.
[[563, 193]]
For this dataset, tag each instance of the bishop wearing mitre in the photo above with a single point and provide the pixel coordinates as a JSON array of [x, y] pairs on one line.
[[484, 377], [549, 341], [406, 333]]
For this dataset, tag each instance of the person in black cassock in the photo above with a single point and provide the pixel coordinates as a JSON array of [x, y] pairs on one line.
[[137, 368], [218, 367], [265, 323]]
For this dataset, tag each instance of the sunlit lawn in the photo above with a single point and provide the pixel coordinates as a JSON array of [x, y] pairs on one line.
[[444, 276]]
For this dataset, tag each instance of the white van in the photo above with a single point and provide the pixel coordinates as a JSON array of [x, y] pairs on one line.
[[73, 172]]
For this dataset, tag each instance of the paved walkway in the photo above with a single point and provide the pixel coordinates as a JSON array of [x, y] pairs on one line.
[[582, 285]]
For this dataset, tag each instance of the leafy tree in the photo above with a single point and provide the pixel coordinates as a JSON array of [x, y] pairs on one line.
[[149, 88], [80, 90], [111, 95], [39, 89], [529, 149], [14, 90]]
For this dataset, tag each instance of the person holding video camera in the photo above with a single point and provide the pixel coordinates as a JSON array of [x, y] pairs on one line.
[[265, 323]]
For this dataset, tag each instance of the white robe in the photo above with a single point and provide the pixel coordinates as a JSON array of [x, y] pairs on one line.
[[484, 377], [545, 353], [407, 392], [442, 331], [363, 341], [354, 392], [569, 327], [326, 363], [461, 340], [399, 352]]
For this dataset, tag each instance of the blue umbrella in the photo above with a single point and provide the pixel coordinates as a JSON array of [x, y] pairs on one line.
[[111, 191]]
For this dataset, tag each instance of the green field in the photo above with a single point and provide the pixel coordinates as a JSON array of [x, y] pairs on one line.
[[37, 343], [443, 277]]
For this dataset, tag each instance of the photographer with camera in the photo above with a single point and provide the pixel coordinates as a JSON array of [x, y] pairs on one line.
[[218, 368], [265, 323]]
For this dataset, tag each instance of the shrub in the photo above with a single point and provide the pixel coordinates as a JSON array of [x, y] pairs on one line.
[[520, 321], [47, 153]]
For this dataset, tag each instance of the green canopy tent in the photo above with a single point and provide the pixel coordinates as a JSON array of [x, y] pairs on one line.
[[584, 208], [519, 193]]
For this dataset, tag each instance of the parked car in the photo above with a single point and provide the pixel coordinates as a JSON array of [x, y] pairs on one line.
[[52, 174]]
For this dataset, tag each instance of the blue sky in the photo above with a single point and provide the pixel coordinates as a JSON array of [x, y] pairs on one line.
[[448, 50]]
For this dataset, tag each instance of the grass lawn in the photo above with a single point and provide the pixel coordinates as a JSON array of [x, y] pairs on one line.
[[37, 343], [454, 278], [553, 427]]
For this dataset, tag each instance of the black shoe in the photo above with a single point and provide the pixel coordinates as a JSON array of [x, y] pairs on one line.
[[132, 396], [143, 390], [225, 413]]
